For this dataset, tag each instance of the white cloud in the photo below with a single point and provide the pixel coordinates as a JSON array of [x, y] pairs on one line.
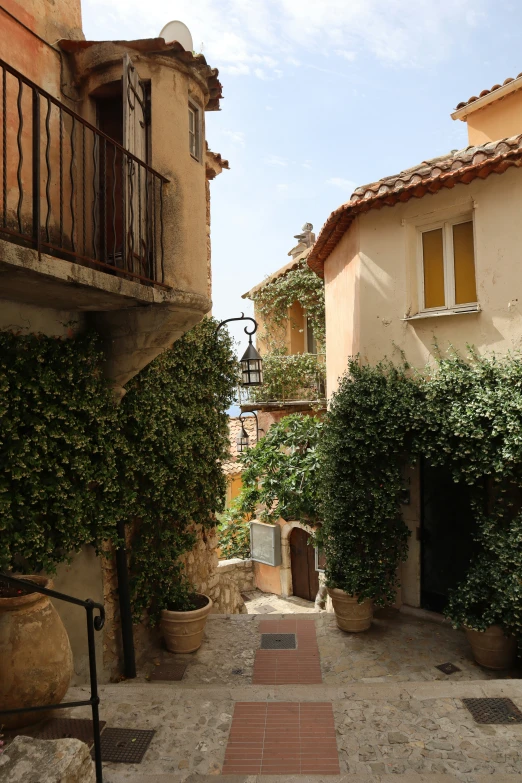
[[282, 188], [237, 137], [269, 108], [245, 36], [307, 164], [276, 160], [344, 184], [350, 56]]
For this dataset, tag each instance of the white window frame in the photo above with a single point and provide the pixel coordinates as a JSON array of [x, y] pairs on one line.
[[449, 264], [194, 108]]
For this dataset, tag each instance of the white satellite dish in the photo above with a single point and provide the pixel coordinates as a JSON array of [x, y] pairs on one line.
[[177, 31]]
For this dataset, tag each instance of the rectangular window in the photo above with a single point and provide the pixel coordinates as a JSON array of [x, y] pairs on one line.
[[448, 266], [311, 343], [194, 132]]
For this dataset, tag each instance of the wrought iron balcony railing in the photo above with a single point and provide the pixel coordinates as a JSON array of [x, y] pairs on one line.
[[69, 190], [299, 377]]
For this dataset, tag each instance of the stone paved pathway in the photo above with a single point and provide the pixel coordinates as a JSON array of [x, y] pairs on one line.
[[396, 717]]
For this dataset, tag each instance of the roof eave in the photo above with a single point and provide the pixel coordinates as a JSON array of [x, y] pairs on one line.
[[486, 100]]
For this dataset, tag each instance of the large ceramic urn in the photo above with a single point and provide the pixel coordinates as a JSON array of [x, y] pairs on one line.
[[35, 655]]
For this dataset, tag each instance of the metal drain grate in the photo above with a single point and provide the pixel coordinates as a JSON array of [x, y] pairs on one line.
[[59, 728], [126, 746], [493, 710], [278, 641], [448, 668], [168, 672]]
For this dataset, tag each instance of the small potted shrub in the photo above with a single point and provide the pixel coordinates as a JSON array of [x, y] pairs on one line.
[[184, 617], [488, 606]]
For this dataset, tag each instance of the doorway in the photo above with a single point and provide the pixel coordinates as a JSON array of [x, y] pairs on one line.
[[305, 579], [446, 535]]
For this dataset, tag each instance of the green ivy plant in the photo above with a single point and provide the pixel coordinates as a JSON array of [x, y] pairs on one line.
[[59, 437], [464, 413], [234, 532], [281, 473], [74, 464], [300, 376], [275, 298], [176, 426], [364, 535]]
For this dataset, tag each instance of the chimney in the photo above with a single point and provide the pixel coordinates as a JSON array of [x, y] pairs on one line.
[[494, 114], [305, 240]]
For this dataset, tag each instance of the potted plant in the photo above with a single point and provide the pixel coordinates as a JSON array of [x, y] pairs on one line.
[[365, 537], [35, 654], [487, 605], [183, 620]]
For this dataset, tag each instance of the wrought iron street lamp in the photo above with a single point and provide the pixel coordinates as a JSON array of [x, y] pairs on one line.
[[242, 440], [251, 362]]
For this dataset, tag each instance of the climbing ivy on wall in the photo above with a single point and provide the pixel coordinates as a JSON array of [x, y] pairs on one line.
[[73, 463], [275, 298], [464, 413], [176, 426], [59, 432]]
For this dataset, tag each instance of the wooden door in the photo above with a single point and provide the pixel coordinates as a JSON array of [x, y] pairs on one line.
[[447, 544], [305, 579]]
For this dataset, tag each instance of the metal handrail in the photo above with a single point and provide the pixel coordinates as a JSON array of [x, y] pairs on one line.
[[93, 624], [92, 212]]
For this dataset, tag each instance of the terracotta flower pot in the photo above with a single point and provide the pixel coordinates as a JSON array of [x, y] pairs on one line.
[[183, 631], [351, 615], [36, 662], [492, 648]]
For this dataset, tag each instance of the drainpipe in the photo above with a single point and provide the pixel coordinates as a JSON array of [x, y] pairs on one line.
[[129, 658]]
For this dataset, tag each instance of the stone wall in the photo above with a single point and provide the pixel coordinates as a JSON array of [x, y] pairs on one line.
[[235, 577], [223, 581]]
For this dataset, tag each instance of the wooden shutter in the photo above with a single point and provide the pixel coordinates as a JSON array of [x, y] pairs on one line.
[[137, 179]]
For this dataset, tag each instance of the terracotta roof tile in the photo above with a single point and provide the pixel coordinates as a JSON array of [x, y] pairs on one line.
[[487, 92], [230, 467], [430, 176]]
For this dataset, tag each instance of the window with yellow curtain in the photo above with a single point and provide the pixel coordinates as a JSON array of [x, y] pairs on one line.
[[448, 266]]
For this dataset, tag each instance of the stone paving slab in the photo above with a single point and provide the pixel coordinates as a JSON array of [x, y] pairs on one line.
[[397, 648], [429, 778], [380, 729]]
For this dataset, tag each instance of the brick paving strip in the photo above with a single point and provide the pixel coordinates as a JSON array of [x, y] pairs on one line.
[[289, 667], [282, 738]]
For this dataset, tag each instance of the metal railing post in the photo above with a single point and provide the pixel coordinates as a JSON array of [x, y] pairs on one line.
[[95, 699], [36, 170]]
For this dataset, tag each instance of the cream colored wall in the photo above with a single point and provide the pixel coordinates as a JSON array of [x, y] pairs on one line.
[[371, 279], [371, 283], [23, 318], [499, 120]]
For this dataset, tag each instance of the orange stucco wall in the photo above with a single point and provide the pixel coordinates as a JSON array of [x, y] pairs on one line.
[[51, 20], [341, 277], [499, 120]]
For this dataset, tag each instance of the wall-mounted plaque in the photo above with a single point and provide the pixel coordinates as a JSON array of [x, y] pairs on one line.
[[265, 543]]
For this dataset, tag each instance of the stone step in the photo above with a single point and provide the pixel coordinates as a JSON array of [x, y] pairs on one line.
[[435, 777]]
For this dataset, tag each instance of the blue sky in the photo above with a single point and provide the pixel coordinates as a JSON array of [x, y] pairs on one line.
[[320, 96]]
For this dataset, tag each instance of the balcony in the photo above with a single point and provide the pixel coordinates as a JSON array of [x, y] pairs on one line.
[[69, 191], [296, 382]]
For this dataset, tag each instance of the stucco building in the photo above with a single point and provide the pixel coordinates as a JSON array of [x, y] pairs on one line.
[[421, 261], [104, 210]]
